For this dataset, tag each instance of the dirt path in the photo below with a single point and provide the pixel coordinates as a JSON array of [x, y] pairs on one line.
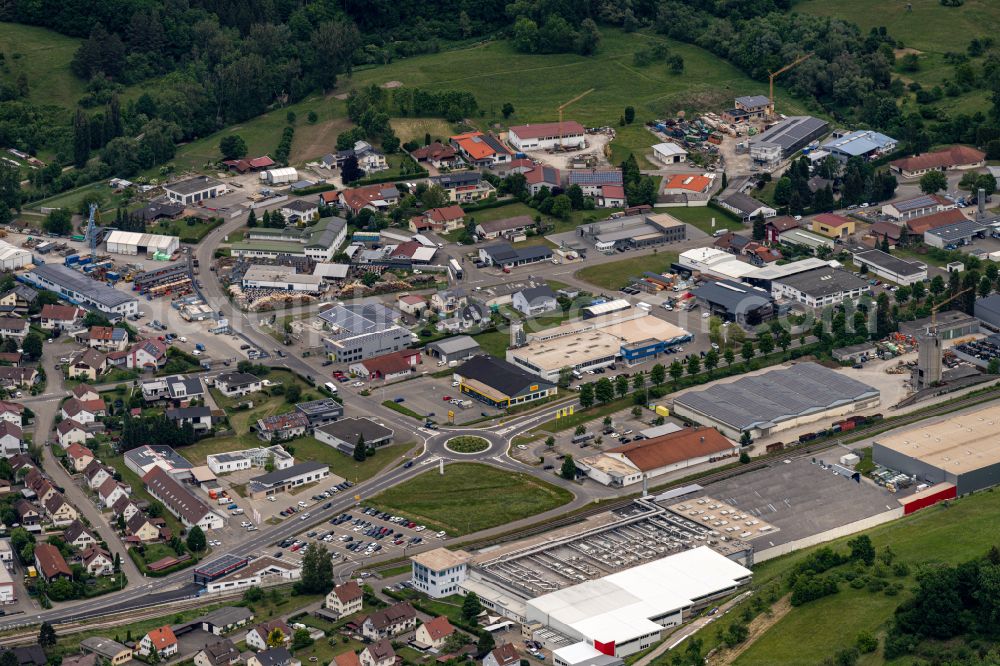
[[758, 627]]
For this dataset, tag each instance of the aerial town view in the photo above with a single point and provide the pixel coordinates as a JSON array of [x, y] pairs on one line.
[[596, 333]]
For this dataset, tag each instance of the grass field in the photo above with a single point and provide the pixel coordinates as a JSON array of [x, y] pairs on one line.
[[183, 228], [702, 216], [471, 497], [537, 84], [941, 534], [43, 56], [414, 129], [613, 275]]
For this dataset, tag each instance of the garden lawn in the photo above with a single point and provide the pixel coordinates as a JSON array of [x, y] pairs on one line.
[[414, 129], [470, 497], [615, 274], [346, 466], [187, 231]]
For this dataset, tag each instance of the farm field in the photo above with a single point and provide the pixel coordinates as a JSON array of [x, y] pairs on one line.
[[470, 497]]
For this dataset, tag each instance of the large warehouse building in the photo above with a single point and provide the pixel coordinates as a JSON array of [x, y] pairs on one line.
[[625, 612], [134, 243], [13, 257], [962, 449], [631, 336], [79, 289], [776, 400]]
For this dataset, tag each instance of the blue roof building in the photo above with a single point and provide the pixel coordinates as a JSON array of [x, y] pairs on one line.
[[866, 144]]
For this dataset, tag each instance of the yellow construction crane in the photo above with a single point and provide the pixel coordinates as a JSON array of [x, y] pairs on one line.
[[934, 310], [572, 101], [771, 76]]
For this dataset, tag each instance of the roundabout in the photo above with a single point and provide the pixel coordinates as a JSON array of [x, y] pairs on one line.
[[467, 445]]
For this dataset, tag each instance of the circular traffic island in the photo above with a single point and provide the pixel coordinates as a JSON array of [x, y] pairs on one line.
[[467, 444]]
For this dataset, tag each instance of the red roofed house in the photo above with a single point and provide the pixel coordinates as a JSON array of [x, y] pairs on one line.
[[687, 182], [388, 366], [50, 563], [955, 157], [348, 658], [374, 197], [147, 354], [542, 176], [257, 637], [79, 456], [254, 164], [437, 153], [60, 316], [480, 149], [502, 655], [611, 196], [97, 561], [448, 218], [329, 198], [778, 225], [379, 653], [435, 632], [107, 338], [546, 136], [85, 392], [833, 226], [412, 304], [11, 411], [345, 599], [161, 639]]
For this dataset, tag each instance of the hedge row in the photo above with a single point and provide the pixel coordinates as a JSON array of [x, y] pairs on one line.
[[374, 180]]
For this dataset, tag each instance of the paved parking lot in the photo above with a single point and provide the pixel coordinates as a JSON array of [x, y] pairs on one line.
[[357, 536], [801, 499], [426, 396]]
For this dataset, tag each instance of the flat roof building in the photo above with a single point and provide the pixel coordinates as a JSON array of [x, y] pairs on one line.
[[499, 383], [891, 268], [866, 144], [625, 612], [953, 235], [776, 400], [947, 325], [785, 138], [80, 289], [819, 287], [284, 278], [736, 301], [715, 262], [962, 449], [282, 480], [359, 331], [545, 136], [193, 190], [344, 434]]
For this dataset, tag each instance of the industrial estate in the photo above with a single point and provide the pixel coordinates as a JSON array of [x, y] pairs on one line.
[[498, 387]]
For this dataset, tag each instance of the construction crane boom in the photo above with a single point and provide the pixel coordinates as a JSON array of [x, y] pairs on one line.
[[934, 310], [563, 106], [771, 76]]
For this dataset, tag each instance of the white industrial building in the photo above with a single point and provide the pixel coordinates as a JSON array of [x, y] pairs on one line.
[[234, 461], [12, 257], [891, 268], [669, 153], [625, 612], [546, 136], [135, 243], [193, 190], [279, 176], [79, 289], [715, 262], [439, 572], [285, 278]]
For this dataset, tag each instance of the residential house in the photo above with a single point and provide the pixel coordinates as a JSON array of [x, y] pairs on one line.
[[257, 637], [13, 327], [161, 639], [376, 198], [10, 439], [379, 653], [110, 491], [504, 654], [107, 339], [25, 655], [18, 299], [610, 196], [27, 513], [79, 456], [393, 365], [88, 364], [481, 150], [833, 226], [226, 619], [349, 658], [125, 507], [59, 510], [278, 656], [731, 242], [345, 599], [199, 418], [299, 211], [78, 536], [237, 384], [97, 561], [96, 474], [534, 301], [442, 220], [591, 181], [434, 633], [62, 317], [369, 159], [50, 563], [219, 653], [448, 301], [279, 427], [884, 230], [437, 154], [180, 501], [142, 527], [412, 304], [392, 621], [85, 392], [13, 378], [83, 411], [11, 411], [777, 225], [746, 207], [542, 176], [146, 354], [329, 198], [464, 186]]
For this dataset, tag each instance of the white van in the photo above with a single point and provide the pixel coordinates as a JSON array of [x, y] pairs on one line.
[[331, 387]]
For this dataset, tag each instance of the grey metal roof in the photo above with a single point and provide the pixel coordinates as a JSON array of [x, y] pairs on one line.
[[533, 293], [281, 475], [916, 203], [596, 177], [823, 282], [500, 375], [745, 203], [955, 232], [319, 407], [776, 396], [192, 185], [792, 132], [754, 100], [358, 319], [890, 263], [459, 343], [348, 430], [733, 296], [70, 280]]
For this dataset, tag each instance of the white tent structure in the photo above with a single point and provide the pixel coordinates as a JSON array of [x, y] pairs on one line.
[[13, 257], [279, 176], [135, 243]]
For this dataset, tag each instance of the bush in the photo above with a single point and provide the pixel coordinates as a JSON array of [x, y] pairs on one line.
[[866, 643]]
